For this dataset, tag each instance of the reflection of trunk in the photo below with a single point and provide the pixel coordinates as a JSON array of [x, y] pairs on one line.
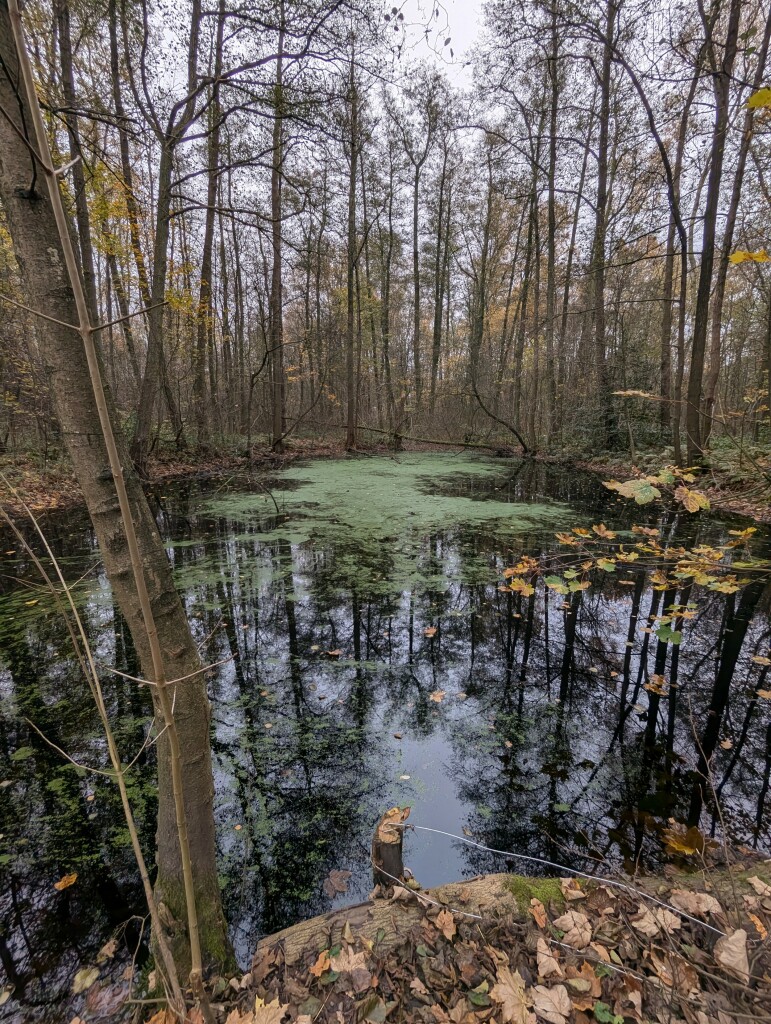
[[634, 615], [735, 630], [739, 744], [763, 790], [568, 662], [660, 663]]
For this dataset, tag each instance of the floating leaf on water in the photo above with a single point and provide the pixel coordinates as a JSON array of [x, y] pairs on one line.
[[437, 696], [336, 882], [429, 631], [65, 882]]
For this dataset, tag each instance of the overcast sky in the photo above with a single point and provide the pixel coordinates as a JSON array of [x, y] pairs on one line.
[[460, 20]]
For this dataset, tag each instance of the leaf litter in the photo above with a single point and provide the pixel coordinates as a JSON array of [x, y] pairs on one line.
[[623, 958]]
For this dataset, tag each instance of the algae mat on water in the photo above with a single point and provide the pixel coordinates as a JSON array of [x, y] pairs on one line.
[[392, 496]]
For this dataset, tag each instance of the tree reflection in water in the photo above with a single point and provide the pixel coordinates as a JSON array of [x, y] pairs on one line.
[[546, 741]]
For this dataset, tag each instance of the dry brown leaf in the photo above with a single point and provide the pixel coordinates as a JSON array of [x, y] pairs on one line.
[[587, 974], [417, 986], [697, 904], [645, 922], [509, 991], [601, 952], [547, 962], [571, 890], [666, 920], [445, 922], [268, 1013], [731, 953], [437, 696], [538, 910], [347, 961], [336, 882], [552, 1004], [760, 887], [429, 631], [322, 963], [577, 929]]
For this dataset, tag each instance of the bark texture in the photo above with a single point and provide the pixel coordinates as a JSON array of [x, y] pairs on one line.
[[24, 195]]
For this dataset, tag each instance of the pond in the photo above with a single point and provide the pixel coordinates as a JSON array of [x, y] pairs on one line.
[[372, 653]]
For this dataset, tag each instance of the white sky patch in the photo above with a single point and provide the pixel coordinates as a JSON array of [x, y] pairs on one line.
[[459, 20]]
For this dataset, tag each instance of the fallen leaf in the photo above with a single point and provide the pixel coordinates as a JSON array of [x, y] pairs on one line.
[[547, 962], [731, 953], [417, 986], [577, 929], [697, 904], [445, 922], [538, 911], [571, 890], [552, 1004], [66, 881], [334, 654], [322, 963], [429, 631], [336, 882], [760, 887], [268, 1013], [347, 961], [644, 922], [509, 992], [437, 696]]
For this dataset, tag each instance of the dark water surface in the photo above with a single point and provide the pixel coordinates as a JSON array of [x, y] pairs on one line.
[[514, 720]]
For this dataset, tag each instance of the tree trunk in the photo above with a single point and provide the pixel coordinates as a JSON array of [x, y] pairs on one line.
[[350, 328], [278, 384], [40, 258], [722, 71]]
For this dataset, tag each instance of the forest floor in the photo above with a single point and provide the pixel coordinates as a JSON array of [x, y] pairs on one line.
[[48, 486], [505, 949]]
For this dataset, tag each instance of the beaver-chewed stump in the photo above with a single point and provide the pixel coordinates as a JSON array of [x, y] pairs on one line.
[[387, 862]]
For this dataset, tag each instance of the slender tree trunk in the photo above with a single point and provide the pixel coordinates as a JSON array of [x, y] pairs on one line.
[[42, 267], [351, 262], [722, 71], [552, 417], [278, 383], [718, 297], [204, 313], [602, 380]]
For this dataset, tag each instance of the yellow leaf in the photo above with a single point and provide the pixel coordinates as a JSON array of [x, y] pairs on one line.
[[66, 881], [743, 256], [760, 100]]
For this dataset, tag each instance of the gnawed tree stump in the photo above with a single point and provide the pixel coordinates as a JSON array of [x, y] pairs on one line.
[[387, 862]]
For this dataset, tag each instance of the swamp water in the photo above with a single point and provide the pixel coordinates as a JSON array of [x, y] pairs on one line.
[[371, 658]]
